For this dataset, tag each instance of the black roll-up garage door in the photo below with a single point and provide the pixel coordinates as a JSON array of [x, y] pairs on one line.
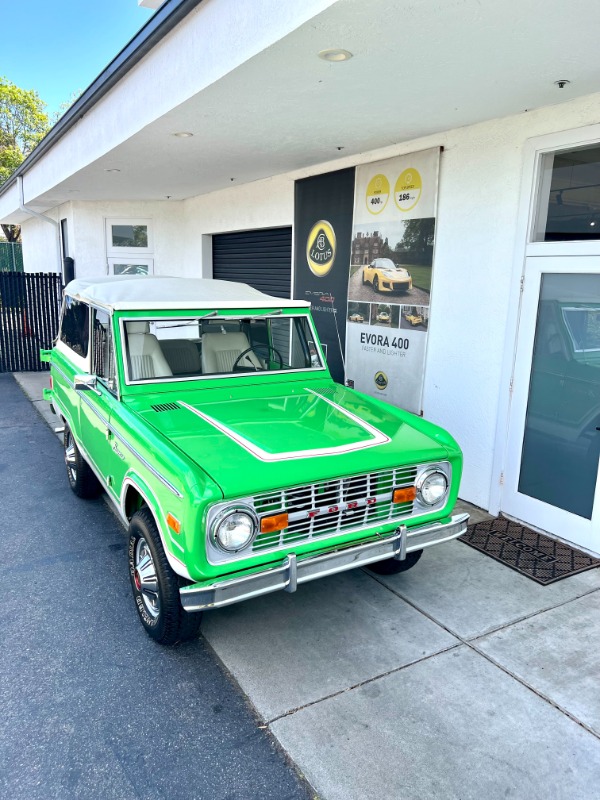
[[261, 258]]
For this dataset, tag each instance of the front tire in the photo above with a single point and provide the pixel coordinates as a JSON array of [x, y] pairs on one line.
[[392, 566], [81, 477], [156, 586], [376, 283]]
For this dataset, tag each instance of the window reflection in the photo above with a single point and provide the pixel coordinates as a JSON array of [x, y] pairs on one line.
[[561, 443], [130, 236], [573, 204]]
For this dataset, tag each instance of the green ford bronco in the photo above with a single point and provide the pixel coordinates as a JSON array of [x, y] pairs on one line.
[[206, 411]]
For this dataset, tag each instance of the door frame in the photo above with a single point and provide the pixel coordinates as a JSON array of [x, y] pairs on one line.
[[542, 515], [534, 151]]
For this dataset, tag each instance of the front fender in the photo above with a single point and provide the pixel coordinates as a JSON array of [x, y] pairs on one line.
[[173, 549]]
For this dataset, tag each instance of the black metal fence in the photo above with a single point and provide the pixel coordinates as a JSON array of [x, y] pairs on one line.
[[29, 315]]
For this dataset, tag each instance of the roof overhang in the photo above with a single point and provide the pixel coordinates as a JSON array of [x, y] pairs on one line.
[[250, 87]]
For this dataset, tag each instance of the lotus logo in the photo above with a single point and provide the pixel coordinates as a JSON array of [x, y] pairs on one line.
[[321, 248], [381, 380]]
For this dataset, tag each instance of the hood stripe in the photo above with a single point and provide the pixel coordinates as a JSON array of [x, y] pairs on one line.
[[377, 437]]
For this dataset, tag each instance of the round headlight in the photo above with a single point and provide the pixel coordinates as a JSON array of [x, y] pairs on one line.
[[234, 530], [432, 487]]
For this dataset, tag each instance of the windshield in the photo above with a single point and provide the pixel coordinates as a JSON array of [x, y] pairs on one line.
[[193, 347]]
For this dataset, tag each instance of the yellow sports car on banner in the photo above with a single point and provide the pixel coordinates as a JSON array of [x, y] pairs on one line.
[[414, 319], [385, 276]]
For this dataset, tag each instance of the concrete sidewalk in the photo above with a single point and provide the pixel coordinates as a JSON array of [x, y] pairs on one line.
[[459, 679]]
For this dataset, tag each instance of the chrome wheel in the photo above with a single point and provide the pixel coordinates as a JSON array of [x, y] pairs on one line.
[[145, 577], [81, 478], [71, 456]]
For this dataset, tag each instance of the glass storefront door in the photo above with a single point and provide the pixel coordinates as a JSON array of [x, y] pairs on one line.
[[551, 479]]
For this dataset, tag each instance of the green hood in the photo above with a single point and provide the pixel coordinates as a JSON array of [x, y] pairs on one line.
[[278, 435]]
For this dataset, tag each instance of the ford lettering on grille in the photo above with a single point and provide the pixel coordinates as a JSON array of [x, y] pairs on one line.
[[330, 507]]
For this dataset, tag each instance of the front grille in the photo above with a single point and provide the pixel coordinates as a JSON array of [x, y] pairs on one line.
[[334, 506], [398, 287]]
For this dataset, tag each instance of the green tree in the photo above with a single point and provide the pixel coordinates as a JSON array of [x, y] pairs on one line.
[[65, 106], [418, 237], [23, 122], [386, 250]]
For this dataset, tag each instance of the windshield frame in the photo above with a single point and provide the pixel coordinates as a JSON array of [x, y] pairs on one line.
[[174, 315]]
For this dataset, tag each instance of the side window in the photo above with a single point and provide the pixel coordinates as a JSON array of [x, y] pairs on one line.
[[103, 354], [75, 329]]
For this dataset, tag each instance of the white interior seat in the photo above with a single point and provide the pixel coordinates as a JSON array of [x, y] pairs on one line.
[[221, 350], [145, 355]]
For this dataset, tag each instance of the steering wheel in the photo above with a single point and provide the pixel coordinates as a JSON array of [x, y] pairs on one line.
[[267, 347]]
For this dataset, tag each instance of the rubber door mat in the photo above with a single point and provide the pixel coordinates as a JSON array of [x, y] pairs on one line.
[[541, 558]]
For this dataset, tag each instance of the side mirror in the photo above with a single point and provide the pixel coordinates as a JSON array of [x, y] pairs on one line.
[[85, 383]]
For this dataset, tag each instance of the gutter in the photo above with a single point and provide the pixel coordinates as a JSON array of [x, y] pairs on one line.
[[32, 213], [158, 26]]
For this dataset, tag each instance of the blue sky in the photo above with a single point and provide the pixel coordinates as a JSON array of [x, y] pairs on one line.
[[58, 47]]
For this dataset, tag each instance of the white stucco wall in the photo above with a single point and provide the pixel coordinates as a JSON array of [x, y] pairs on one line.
[[40, 241], [475, 272], [475, 264], [88, 239], [263, 204], [87, 242]]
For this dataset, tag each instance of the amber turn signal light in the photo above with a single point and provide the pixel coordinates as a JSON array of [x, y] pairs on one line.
[[272, 524], [406, 495], [173, 523]]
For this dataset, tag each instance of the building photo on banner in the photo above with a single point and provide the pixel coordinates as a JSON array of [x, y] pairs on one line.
[[389, 282]]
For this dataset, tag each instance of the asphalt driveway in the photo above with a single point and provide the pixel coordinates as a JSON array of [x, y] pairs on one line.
[[90, 706], [458, 680]]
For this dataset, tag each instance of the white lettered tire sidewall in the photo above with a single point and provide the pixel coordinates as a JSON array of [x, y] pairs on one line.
[[171, 623]]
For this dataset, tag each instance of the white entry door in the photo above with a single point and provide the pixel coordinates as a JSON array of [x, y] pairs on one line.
[[551, 477]]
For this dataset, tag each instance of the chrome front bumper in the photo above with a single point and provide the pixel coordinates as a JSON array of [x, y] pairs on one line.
[[293, 571]]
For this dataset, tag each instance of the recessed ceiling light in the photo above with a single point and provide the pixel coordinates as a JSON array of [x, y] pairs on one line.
[[183, 134], [114, 169], [335, 54], [562, 83]]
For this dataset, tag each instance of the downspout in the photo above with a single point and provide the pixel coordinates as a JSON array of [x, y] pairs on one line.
[[33, 213]]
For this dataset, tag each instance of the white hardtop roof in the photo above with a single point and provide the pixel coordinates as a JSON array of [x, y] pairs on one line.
[[153, 293]]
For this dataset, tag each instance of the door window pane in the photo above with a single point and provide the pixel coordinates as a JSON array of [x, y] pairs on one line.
[[74, 327], [103, 349], [128, 239], [570, 196], [129, 236], [130, 269], [130, 265], [561, 443]]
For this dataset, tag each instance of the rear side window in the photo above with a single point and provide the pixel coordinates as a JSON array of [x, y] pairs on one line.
[[103, 355], [75, 326]]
